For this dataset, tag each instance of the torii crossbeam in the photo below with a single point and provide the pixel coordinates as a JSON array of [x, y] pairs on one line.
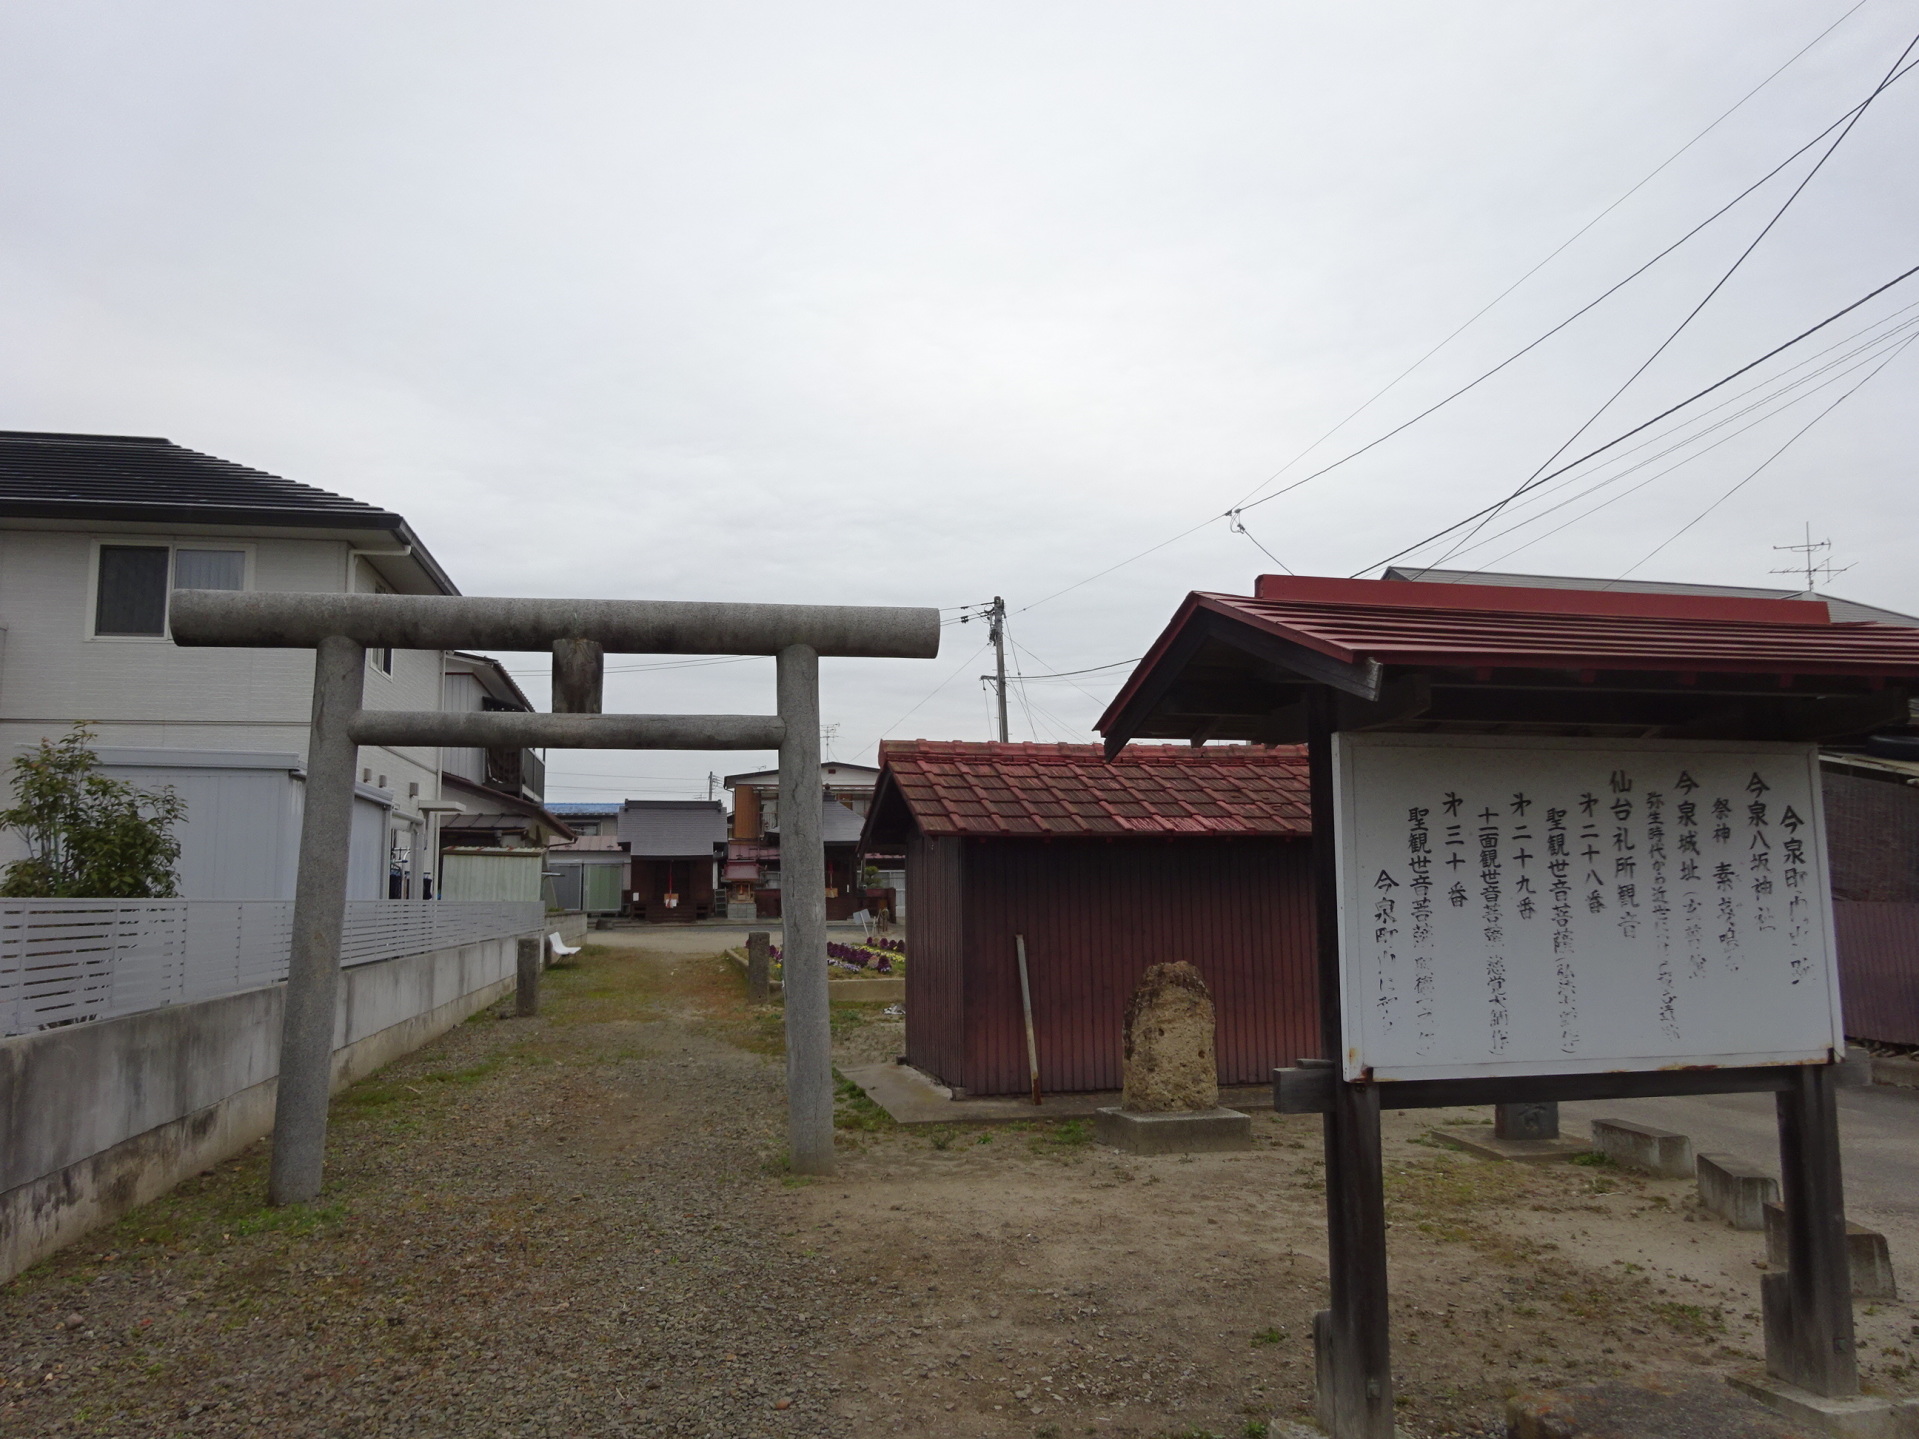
[[579, 633]]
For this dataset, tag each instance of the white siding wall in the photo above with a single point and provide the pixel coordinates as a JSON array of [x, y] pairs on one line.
[[153, 694], [464, 694], [241, 837]]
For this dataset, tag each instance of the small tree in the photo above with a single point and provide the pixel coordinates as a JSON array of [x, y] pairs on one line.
[[88, 837]]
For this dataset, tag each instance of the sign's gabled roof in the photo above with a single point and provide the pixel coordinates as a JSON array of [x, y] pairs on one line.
[[1351, 636], [1062, 790]]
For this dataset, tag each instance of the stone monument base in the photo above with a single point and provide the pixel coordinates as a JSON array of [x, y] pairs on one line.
[[1203, 1131]]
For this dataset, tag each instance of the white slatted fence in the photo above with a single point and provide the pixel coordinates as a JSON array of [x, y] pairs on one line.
[[64, 961]]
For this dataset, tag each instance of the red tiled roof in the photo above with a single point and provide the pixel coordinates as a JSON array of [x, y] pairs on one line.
[[961, 788]]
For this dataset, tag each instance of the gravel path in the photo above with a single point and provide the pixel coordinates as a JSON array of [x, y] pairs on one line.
[[562, 1226], [579, 1225]]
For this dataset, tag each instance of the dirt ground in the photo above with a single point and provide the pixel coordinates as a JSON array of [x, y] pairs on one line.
[[581, 1224]]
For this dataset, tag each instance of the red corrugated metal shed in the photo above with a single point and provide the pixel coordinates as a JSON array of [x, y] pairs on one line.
[[1170, 853], [959, 788]]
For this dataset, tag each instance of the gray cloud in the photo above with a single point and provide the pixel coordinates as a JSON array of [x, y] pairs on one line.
[[924, 304]]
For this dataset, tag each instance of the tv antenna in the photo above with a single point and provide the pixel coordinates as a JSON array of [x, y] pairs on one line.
[[1809, 565]]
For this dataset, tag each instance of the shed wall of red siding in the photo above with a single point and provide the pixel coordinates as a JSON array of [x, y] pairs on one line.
[[1878, 969], [935, 1015], [1872, 837], [1095, 914]]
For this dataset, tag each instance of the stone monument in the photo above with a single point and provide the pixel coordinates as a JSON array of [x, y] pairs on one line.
[[1170, 1103]]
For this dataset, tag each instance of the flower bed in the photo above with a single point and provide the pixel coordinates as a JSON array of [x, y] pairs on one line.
[[868, 959]]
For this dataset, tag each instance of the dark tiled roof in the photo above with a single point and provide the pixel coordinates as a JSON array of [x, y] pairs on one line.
[[958, 788], [138, 477]]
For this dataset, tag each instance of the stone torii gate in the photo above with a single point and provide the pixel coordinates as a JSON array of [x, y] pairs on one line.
[[339, 628]]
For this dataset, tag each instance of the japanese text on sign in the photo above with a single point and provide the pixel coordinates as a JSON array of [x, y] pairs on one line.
[[1555, 906]]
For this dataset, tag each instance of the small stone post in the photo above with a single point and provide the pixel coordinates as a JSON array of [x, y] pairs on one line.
[[759, 967], [1526, 1121], [1171, 1100], [528, 995], [1169, 1043]]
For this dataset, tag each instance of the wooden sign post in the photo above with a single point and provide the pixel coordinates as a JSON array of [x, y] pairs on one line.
[[1567, 845]]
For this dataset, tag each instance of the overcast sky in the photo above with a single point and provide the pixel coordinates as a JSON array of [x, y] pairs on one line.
[[920, 304]]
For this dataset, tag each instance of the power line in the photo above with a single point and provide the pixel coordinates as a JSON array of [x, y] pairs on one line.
[[1120, 566], [1560, 249], [1693, 314], [1081, 688], [1773, 383], [1765, 463], [1238, 509], [1528, 544], [1590, 305], [1845, 364], [936, 689], [1663, 414], [1062, 674]]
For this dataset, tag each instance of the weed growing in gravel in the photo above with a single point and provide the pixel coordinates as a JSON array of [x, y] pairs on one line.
[[1593, 1159], [1269, 1336], [1071, 1135], [1439, 1195], [1695, 1321], [289, 1219], [854, 1109]]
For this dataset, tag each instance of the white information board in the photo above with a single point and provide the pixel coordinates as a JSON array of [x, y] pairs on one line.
[[1515, 906]]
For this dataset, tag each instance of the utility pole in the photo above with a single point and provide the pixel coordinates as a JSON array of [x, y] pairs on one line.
[[711, 780], [996, 617]]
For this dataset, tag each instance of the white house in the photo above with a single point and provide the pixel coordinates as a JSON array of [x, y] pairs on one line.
[[95, 532]]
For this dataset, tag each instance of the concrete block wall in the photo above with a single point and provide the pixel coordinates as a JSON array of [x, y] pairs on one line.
[[100, 1118]]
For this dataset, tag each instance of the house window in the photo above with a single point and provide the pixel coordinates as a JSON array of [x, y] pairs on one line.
[[209, 569], [132, 598]]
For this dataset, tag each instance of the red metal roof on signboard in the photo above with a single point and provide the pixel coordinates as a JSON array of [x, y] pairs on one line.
[[1447, 595], [1492, 627], [1461, 637], [1164, 791]]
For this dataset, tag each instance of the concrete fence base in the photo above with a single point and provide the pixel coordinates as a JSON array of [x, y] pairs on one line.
[[1658, 1152], [1866, 1253], [1736, 1191], [103, 1117]]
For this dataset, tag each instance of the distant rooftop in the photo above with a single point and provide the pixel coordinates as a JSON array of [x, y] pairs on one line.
[[1844, 611], [832, 772], [672, 828], [51, 476]]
